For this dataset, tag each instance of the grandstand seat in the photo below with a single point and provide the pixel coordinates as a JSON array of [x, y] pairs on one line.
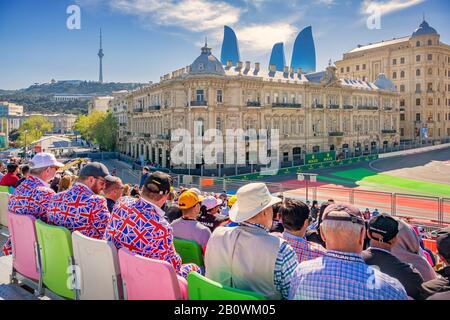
[[5, 189], [202, 288], [98, 272], [4, 197], [26, 259], [55, 247], [189, 251], [149, 279]]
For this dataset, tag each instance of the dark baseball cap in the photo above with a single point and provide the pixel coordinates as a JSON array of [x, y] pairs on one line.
[[382, 228], [96, 169], [162, 181], [354, 215], [443, 243]]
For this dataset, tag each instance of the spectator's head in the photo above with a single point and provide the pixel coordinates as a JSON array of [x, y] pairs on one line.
[[211, 204], [382, 231], [114, 189], [95, 175], [254, 204], [331, 201], [443, 244], [157, 187], [190, 203], [65, 182], [343, 228], [126, 190], [276, 211], [295, 216], [145, 170], [173, 213], [25, 169], [197, 191], [315, 204], [12, 168], [44, 166]]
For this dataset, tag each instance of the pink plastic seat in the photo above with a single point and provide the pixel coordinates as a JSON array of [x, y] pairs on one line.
[[24, 244], [150, 279]]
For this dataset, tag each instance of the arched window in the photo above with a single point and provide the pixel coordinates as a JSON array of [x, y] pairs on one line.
[[394, 75], [402, 74]]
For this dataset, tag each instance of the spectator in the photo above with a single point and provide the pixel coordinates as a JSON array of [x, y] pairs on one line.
[[210, 215], [277, 226], [80, 207], [126, 190], [313, 231], [366, 214], [230, 257], [64, 183], [173, 213], [139, 224], [229, 203], [342, 274], [25, 169], [315, 210], [10, 179], [375, 213], [187, 227], [330, 201], [296, 218], [407, 250], [33, 196], [135, 191], [113, 191], [145, 173], [439, 288], [382, 231]]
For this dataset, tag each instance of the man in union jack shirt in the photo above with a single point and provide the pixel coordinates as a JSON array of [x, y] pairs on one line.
[[140, 226], [33, 195], [81, 208]]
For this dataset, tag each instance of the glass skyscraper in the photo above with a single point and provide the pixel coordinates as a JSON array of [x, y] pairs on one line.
[[304, 52]]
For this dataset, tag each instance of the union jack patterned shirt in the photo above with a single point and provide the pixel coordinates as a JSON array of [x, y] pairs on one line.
[[304, 249], [79, 209], [140, 226], [31, 197]]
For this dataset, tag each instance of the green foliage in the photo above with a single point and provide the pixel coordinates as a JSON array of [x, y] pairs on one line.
[[99, 128], [33, 129]]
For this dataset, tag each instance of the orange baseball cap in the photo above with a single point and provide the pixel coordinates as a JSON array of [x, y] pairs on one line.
[[188, 199]]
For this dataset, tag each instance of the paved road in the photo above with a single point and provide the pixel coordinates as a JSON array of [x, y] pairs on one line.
[[123, 171]]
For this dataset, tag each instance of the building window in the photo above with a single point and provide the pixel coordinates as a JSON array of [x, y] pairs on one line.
[[430, 57], [430, 87], [418, 58], [402, 132], [402, 74], [418, 44], [394, 75], [402, 60], [219, 96], [402, 88], [417, 116], [430, 101], [430, 71], [418, 72], [357, 67], [200, 95], [348, 69], [418, 102], [364, 67], [402, 117], [402, 102], [342, 70], [430, 42], [417, 87], [394, 61], [218, 124]]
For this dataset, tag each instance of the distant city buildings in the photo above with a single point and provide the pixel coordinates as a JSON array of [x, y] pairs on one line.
[[72, 97], [99, 104], [419, 66]]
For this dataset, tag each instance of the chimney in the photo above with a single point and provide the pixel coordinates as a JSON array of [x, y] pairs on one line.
[[291, 70], [272, 68], [299, 70], [239, 65], [229, 63], [286, 69], [257, 65], [247, 65]]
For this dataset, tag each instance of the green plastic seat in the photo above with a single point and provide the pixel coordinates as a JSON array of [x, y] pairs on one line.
[[5, 189], [189, 251], [202, 288], [55, 245]]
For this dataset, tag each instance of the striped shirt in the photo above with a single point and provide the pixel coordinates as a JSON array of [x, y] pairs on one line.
[[304, 249]]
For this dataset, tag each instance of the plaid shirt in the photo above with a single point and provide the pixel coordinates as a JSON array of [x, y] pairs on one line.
[[140, 227], [79, 209], [343, 276], [31, 197], [304, 249]]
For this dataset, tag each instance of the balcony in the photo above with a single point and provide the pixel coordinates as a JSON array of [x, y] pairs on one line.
[[389, 131], [199, 103], [147, 135], [286, 105], [253, 104], [155, 107], [367, 108], [336, 134], [388, 108], [348, 106], [333, 106], [402, 109], [163, 136], [317, 106], [138, 110]]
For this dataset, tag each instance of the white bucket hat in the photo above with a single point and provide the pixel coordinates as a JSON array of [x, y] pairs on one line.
[[44, 160], [210, 202], [251, 200]]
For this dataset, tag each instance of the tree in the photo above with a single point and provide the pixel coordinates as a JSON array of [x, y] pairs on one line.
[[33, 129], [99, 128]]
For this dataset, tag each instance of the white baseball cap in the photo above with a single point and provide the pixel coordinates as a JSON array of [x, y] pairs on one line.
[[210, 202], [251, 200], [197, 191], [44, 160]]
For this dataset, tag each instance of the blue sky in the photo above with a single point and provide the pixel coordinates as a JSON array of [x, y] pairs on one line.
[[144, 39]]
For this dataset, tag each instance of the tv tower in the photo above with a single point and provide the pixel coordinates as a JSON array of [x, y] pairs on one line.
[[100, 56]]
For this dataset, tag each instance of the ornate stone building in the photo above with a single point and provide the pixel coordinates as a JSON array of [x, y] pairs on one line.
[[313, 112], [419, 66]]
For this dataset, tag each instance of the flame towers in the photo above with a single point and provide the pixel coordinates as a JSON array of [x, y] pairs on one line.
[[230, 47], [304, 52], [277, 57]]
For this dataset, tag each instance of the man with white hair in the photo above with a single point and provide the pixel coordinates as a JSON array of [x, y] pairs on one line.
[[33, 195], [247, 256], [341, 273]]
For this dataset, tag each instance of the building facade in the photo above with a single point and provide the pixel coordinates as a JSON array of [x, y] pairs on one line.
[[99, 104], [118, 106], [313, 112], [419, 66]]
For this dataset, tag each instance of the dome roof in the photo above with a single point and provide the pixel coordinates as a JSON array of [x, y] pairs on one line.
[[384, 83], [423, 29], [206, 63]]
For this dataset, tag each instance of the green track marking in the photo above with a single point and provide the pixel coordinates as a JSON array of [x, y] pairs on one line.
[[355, 174]]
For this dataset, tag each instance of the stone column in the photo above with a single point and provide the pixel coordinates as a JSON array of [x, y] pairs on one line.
[[164, 157]]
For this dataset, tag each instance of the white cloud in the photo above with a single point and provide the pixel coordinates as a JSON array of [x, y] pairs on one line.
[[193, 15], [326, 2], [369, 7]]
